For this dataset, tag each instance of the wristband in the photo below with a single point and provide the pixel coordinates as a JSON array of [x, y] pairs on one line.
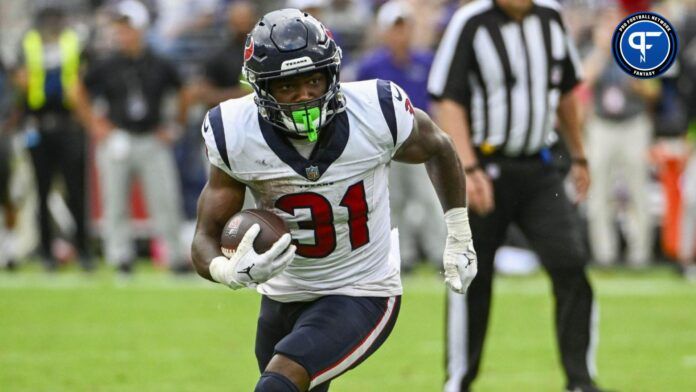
[[219, 270], [457, 221], [472, 168], [579, 161]]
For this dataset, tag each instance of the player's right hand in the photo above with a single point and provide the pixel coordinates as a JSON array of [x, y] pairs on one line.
[[246, 268]]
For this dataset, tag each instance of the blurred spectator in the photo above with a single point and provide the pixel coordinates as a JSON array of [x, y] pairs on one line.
[[6, 98], [687, 86], [15, 19], [186, 31], [347, 20], [688, 212], [686, 65], [670, 122], [221, 81], [413, 205], [7, 208], [313, 7], [621, 105], [396, 59], [48, 78], [633, 6], [133, 138], [223, 71]]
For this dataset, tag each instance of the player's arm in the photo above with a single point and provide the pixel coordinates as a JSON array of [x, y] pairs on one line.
[[428, 144], [221, 198], [453, 118], [431, 145]]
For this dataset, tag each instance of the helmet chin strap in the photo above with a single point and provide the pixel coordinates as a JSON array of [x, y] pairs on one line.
[[305, 121]]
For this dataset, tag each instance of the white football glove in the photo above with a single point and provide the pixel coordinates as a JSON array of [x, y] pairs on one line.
[[246, 268], [459, 259]]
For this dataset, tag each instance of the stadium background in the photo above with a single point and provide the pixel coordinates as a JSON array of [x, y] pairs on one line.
[[154, 331]]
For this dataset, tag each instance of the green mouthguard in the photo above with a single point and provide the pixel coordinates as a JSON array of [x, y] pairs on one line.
[[307, 118]]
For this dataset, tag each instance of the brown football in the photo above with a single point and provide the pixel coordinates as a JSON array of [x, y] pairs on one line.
[[272, 228]]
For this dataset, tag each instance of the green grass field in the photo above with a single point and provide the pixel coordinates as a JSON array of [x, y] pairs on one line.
[[68, 332]]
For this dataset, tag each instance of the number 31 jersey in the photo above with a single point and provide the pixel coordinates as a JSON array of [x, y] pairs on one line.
[[335, 201]]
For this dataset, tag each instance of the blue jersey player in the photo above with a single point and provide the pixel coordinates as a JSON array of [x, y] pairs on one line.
[[317, 153]]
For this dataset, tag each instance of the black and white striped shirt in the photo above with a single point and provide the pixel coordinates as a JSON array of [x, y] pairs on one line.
[[509, 75]]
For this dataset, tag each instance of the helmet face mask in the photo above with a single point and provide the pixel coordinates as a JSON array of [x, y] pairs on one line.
[[304, 118], [288, 43]]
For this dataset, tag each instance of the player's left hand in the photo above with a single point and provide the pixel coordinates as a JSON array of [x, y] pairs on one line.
[[459, 259], [460, 268]]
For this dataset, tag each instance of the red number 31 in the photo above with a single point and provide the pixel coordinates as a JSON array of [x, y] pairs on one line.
[[322, 219]]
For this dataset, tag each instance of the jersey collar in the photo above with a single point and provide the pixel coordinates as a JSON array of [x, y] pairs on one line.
[[332, 141]]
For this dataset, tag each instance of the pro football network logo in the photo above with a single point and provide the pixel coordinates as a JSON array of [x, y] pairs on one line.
[[645, 45]]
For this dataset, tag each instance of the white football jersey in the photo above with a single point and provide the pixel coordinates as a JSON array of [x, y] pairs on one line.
[[336, 201]]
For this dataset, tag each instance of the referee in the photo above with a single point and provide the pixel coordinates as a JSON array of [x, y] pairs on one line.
[[503, 74]]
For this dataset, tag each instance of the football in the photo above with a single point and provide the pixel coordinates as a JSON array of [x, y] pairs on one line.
[[272, 228]]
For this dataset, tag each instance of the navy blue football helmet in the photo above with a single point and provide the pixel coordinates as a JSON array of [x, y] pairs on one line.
[[290, 42]]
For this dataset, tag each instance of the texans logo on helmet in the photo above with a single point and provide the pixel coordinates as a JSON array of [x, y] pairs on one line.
[[249, 48]]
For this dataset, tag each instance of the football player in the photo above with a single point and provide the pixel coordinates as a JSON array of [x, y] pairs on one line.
[[317, 153]]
